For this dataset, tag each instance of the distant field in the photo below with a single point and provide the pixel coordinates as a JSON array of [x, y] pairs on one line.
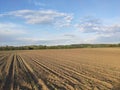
[[60, 69]]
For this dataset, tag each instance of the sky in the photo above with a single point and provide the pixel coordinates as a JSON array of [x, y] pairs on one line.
[[59, 22]]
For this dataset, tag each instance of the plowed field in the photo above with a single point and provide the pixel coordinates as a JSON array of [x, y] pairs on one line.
[[61, 69]]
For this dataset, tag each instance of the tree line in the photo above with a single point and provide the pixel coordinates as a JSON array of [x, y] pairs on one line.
[[37, 47]]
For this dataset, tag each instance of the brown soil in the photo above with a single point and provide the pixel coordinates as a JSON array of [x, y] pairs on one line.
[[61, 69]]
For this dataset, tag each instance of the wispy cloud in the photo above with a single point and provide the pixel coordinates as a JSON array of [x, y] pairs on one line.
[[69, 35], [39, 3], [96, 26], [43, 17], [36, 2], [9, 32], [108, 38], [88, 25], [97, 31], [38, 41], [11, 29], [89, 30]]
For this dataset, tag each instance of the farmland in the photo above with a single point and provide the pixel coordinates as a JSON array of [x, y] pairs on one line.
[[60, 69]]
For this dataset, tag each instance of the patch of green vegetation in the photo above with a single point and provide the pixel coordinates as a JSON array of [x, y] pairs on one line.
[[37, 47]]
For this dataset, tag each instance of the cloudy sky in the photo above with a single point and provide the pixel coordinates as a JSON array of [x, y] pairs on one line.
[[53, 22]]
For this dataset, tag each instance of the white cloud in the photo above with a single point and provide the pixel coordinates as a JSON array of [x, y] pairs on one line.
[[108, 38], [90, 30], [44, 17], [9, 32], [28, 39], [98, 32], [65, 22], [10, 29], [69, 35], [36, 2], [38, 41], [94, 26], [39, 3]]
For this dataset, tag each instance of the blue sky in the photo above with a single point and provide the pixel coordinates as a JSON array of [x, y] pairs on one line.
[[53, 22]]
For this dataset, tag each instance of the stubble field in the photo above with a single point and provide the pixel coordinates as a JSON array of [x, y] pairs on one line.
[[60, 69]]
